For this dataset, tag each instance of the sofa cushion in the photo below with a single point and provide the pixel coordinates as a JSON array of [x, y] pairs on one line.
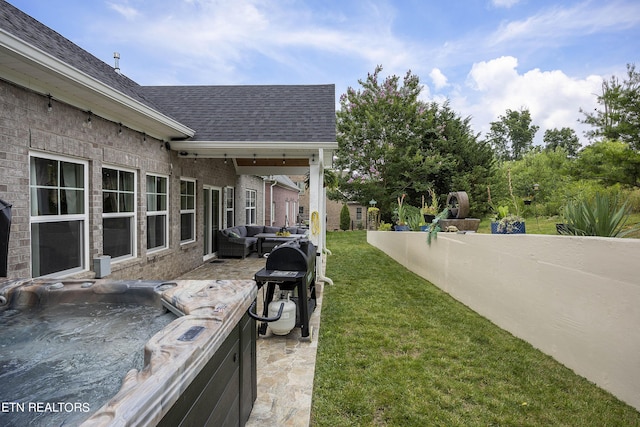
[[252, 230], [268, 229], [233, 234]]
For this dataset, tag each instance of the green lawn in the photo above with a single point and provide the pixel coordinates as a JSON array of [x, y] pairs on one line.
[[394, 350]]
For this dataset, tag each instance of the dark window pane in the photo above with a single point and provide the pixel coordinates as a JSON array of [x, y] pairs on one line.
[[126, 202], [109, 179], [151, 184], [126, 181], [117, 237], [156, 231], [44, 201], [46, 171], [71, 175], [186, 227], [109, 202], [72, 202], [56, 247]]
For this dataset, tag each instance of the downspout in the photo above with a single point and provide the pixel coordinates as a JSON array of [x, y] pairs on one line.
[[271, 201]]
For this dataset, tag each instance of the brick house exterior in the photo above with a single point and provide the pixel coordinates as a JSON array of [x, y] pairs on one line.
[[94, 164], [281, 201]]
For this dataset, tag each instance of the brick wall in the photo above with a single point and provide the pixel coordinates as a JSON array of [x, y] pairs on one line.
[[27, 126]]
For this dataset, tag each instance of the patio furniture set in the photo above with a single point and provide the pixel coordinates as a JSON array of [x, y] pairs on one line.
[[242, 240]]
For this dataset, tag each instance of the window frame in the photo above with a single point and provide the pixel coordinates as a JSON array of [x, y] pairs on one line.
[[250, 212], [229, 207], [191, 211], [133, 215], [81, 218], [157, 212]]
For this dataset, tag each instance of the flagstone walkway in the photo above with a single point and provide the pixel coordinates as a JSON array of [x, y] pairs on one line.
[[285, 364]]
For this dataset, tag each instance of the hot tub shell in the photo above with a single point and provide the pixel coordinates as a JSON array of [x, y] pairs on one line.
[[198, 370]]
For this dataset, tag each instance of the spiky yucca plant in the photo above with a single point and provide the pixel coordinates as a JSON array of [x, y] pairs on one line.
[[601, 216]]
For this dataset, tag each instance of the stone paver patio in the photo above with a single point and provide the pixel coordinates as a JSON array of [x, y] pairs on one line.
[[285, 364]]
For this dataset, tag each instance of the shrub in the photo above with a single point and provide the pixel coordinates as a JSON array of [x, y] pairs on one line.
[[603, 215], [345, 218]]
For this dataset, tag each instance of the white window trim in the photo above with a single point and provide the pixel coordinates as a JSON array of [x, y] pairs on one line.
[[187, 211], [251, 208], [56, 218], [229, 209], [133, 215], [157, 213]]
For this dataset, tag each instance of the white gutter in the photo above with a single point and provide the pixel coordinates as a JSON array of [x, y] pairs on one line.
[[37, 57]]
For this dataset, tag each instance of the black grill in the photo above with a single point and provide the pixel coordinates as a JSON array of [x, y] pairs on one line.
[[292, 267]]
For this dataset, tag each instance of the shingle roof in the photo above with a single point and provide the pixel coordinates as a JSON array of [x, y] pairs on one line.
[[217, 113], [23, 26], [251, 113]]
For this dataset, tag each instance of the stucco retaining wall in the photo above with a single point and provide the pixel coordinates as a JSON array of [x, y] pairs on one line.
[[574, 298]]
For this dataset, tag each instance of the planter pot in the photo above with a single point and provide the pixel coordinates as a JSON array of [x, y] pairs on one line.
[[428, 218], [401, 228], [517, 228]]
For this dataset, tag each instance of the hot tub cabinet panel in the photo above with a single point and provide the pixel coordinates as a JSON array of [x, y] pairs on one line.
[[227, 381]]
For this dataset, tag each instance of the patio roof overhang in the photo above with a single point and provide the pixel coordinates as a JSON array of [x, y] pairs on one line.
[[28, 66], [261, 157]]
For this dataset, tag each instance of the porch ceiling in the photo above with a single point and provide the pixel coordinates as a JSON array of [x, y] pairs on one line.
[[261, 157]]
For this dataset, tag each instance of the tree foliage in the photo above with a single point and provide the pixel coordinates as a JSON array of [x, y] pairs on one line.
[[345, 218], [610, 162], [619, 117], [511, 136], [565, 138], [392, 143]]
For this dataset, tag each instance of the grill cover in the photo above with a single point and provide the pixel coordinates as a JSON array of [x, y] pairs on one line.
[[296, 255]]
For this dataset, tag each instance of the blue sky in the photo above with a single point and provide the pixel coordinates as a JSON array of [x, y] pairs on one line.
[[484, 56]]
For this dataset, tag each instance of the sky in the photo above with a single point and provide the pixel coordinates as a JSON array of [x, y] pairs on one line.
[[482, 56]]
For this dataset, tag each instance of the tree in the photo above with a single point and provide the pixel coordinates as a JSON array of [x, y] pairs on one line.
[[391, 143], [620, 117], [512, 135], [345, 218], [565, 138], [609, 162]]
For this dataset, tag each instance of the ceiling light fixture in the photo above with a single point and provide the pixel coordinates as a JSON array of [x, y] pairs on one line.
[[49, 106], [254, 158], [225, 158]]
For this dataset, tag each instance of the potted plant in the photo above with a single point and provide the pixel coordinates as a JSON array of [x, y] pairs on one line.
[[401, 215], [415, 219], [504, 221], [430, 211], [507, 223]]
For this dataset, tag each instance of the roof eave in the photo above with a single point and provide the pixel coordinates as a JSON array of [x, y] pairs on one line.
[[30, 67]]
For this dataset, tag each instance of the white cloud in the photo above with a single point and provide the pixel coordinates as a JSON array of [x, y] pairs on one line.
[[557, 23], [439, 80], [130, 13], [504, 3], [552, 97]]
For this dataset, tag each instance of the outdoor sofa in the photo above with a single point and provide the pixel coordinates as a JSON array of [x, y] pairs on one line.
[[240, 241]]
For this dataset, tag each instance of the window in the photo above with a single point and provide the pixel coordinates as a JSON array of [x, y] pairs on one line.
[[250, 207], [58, 219], [187, 211], [118, 213], [229, 215], [358, 213], [157, 212]]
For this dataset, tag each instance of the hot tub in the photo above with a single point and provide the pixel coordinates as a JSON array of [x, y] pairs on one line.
[[198, 369]]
